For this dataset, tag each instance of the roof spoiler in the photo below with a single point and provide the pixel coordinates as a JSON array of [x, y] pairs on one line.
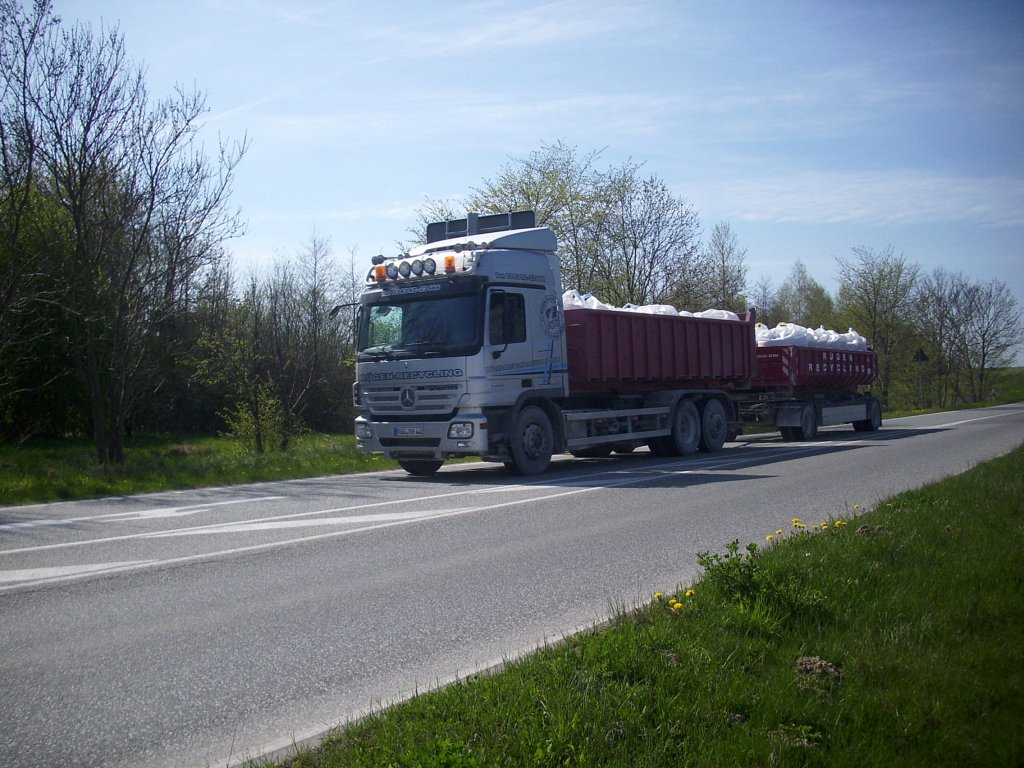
[[475, 224]]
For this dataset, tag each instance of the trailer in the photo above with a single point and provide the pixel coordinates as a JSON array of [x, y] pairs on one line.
[[798, 389], [466, 349]]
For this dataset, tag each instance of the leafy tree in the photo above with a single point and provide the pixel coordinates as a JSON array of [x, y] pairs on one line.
[[142, 210], [803, 300], [876, 289], [624, 238]]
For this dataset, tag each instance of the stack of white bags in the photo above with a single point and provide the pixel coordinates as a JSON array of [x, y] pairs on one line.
[[793, 335], [782, 335], [575, 300]]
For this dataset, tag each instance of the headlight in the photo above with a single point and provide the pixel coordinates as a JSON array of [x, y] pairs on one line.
[[460, 430], [364, 431]]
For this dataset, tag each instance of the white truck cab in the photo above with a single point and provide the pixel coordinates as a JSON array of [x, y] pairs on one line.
[[456, 335]]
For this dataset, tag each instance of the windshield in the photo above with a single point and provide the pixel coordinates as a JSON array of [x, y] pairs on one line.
[[424, 327]]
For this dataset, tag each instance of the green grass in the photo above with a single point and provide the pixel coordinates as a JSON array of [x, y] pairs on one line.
[[67, 469], [893, 639]]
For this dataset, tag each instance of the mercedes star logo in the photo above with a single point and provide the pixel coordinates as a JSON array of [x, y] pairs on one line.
[[407, 397]]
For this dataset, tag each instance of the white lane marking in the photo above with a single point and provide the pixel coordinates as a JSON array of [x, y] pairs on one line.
[[655, 471], [271, 525], [140, 514], [963, 421], [631, 478], [64, 572]]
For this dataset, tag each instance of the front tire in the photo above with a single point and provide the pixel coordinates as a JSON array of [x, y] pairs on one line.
[[420, 467], [532, 442]]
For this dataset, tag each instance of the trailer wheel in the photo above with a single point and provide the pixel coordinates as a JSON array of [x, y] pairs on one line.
[[531, 441], [874, 420], [686, 429], [420, 467], [808, 428], [714, 426]]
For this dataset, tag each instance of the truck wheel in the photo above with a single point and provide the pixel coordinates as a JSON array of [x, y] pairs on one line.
[[532, 442], [808, 428], [874, 420], [714, 426], [685, 437], [420, 467]]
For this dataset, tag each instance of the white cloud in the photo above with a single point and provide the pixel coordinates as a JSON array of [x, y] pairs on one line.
[[874, 197]]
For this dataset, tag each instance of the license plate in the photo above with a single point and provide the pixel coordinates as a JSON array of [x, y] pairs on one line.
[[408, 431]]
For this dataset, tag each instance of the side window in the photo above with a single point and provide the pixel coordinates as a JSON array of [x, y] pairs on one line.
[[507, 313]]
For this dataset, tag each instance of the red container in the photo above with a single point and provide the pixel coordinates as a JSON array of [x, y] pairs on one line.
[[611, 351], [812, 368]]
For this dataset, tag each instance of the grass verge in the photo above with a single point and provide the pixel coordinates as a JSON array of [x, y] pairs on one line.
[[895, 638], [60, 470]]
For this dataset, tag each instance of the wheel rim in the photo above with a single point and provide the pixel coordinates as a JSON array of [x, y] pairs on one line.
[[534, 440]]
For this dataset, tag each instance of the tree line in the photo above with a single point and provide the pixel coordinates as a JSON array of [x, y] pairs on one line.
[[121, 313]]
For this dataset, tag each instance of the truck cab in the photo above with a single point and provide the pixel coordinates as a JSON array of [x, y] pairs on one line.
[[456, 335]]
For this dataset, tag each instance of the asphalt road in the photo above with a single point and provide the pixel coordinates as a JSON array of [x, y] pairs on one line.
[[202, 627]]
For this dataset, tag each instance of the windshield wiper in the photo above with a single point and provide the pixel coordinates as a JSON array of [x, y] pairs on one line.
[[428, 347], [381, 351]]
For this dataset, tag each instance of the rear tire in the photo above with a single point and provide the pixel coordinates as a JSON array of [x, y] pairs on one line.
[[874, 420], [808, 428], [714, 425], [686, 430], [420, 467]]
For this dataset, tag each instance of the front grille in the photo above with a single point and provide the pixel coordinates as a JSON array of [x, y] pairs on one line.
[[431, 400]]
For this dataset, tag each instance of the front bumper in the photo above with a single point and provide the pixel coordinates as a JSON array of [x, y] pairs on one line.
[[422, 439]]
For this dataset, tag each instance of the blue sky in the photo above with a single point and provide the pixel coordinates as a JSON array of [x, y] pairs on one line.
[[810, 126]]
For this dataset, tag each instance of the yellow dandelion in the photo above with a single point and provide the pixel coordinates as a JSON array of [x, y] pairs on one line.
[[801, 526], [796, 521], [658, 596], [691, 592], [856, 506], [815, 527], [778, 532], [769, 537], [677, 607], [824, 526]]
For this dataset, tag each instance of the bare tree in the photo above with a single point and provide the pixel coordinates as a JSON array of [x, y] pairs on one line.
[[992, 333], [140, 205], [728, 269], [22, 238], [649, 244], [765, 299]]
